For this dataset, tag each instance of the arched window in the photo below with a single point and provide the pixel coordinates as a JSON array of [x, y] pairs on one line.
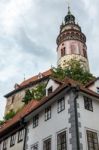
[[63, 52], [73, 49], [85, 53]]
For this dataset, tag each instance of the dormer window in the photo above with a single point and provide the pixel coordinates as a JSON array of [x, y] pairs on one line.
[[50, 90]]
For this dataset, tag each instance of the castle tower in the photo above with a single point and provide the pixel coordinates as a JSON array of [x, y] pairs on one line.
[[71, 43]]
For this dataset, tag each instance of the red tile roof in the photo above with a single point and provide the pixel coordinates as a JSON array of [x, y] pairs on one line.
[[91, 82], [29, 81], [35, 78], [19, 115], [33, 105]]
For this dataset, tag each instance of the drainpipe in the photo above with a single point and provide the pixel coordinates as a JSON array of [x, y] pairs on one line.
[[76, 90]]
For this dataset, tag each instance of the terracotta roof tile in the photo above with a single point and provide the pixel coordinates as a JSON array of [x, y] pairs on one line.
[[35, 78], [29, 81], [19, 115], [91, 82], [33, 105]]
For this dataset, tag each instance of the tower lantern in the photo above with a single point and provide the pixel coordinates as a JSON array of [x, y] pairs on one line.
[[71, 43]]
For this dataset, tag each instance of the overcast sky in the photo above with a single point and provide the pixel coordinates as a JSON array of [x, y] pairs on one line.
[[28, 31]]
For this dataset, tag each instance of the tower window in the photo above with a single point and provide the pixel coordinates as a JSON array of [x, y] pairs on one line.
[[63, 52], [85, 53], [73, 49]]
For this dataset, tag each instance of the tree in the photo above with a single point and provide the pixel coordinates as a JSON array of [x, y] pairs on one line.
[[37, 93], [75, 71]]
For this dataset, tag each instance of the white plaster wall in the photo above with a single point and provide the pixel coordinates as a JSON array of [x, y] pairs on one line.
[[17, 146], [94, 86], [52, 84], [57, 123], [89, 120]]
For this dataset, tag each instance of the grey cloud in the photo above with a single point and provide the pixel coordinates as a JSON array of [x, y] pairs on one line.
[[29, 46], [32, 42]]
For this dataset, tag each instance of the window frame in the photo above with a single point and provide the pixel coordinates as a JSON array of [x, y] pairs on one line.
[[20, 135], [61, 105], [4, 145], [63, 52], [45, 142], [47, 113], [60, 143], [88, 103], [35, 121], [12, 140], [49, 90], [93, 141]]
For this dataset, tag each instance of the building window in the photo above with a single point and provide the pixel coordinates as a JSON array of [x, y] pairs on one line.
[[47, 144], [61, 104], [63, 52], [35, 121], [50, 90], [47, 113], [88, 103], [5, 145], [20, 135], [98, 90], [34, 147], [61, 141], [92, 140], [12, 141]]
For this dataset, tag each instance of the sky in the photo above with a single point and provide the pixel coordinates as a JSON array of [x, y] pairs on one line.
[[28, 32]]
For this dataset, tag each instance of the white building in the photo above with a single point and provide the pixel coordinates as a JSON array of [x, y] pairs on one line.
[[66, 120]]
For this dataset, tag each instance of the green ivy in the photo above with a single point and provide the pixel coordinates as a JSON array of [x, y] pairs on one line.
[[37, 93], [9, 115], [75, 71], [2, 122]]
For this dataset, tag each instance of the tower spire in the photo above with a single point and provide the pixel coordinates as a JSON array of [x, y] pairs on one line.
[[69, 12]]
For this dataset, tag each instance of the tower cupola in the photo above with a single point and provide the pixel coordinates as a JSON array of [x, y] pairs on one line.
[[69, 17], [71, 42]]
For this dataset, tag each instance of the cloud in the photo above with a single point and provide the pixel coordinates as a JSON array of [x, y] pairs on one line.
[[28, 32]]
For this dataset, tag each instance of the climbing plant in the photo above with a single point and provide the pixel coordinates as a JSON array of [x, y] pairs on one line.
[[74, 70]]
